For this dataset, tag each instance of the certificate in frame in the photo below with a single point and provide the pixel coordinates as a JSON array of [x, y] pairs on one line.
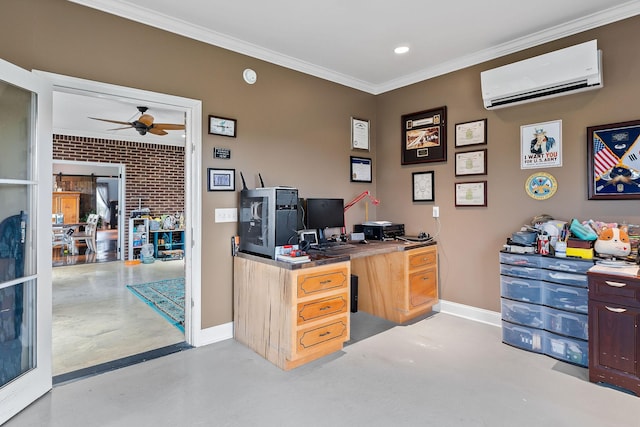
[[423, 186], [221, 179], [360, 169], [613, 161], [424, 136], [471, 193], [471, 163], [471, 133], [359, 134]]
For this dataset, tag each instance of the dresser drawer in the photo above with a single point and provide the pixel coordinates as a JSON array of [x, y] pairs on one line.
[[311, 339], [524, 272], [321, 308], [615, 289], [522, 313], [522, 260], [422, 259], [321, 281], [566, 264], [571, 279], [565, 297], [519, 289]]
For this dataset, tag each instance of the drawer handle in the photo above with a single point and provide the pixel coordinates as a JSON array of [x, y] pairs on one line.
[[324, 282], [324, 334], [615, 284], [326, 307], [615, 310]]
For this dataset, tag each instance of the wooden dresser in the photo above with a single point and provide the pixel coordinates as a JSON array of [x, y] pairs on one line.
[[397, 286], [290, 316], [66, 203], [614, 330]]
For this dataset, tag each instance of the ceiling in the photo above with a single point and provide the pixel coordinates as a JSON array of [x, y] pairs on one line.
[[349, 42]]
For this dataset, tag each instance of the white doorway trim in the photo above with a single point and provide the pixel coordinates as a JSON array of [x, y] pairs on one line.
[[192, 109], [98, 168]]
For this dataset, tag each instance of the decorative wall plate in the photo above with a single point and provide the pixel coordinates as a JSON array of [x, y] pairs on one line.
[[541, 186]]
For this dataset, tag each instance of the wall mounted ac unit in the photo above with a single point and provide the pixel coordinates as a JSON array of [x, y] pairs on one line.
[[562, 72]]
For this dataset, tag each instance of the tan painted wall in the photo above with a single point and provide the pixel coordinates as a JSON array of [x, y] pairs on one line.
[[470, 238], [294, 129]]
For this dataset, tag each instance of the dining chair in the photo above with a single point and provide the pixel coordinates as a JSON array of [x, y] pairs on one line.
[[88, 235]]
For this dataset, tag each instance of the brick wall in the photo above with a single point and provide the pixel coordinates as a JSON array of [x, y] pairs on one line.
[[154, 173]]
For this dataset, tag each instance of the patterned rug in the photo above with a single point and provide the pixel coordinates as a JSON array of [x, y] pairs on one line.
[[166, 297]]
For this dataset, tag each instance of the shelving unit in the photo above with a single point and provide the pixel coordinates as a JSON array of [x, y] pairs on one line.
[[138, 236], [168, 244], [545, 305]]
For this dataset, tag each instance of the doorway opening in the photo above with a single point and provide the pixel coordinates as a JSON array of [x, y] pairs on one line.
[[100, 288]]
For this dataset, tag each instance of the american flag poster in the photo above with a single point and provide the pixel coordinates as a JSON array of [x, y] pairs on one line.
[[614, 154]]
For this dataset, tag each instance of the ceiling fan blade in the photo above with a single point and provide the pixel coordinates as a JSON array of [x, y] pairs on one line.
[[156, 131], [147, 119], [112, 121], [168, 126], [126, 127]]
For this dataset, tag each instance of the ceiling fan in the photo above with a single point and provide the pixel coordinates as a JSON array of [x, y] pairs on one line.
[[144, 124]]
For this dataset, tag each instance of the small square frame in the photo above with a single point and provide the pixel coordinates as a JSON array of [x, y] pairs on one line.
[[221, 179], [360, 169], [423, 186]]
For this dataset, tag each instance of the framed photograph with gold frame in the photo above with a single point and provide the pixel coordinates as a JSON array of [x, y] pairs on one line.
[[424, 136]]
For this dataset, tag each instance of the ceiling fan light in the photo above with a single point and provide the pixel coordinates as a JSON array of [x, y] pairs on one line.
[[401, 49]]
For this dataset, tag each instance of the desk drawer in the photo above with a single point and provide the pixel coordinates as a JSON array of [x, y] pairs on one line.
[[615, 289], [422, 258], [311, 339], [321, 281], [321, 308]]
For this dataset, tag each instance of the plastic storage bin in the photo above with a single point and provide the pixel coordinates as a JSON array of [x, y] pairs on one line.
[[571, 279], [523, 260], [520, 289], [522, 313], [565, 297], [566, 264], [523, 337], [566, 349], [524, 272], [574, 325]]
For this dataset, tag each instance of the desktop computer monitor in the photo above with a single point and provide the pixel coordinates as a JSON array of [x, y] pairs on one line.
[[324, 213]]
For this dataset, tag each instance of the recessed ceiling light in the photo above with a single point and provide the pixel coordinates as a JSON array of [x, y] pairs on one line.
[[401, 49]]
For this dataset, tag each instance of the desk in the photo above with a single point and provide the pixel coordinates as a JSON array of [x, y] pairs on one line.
[[292, 314]]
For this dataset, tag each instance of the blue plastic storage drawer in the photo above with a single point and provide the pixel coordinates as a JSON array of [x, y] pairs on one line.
[[518, 271], [565, 297], [522, 313], [564, 323], [531, 339], [519, 289], [523, 260], [565, 264], [566, 349], [571, 279]]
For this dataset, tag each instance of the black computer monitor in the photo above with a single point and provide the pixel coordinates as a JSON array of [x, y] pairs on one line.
[[325, 213]]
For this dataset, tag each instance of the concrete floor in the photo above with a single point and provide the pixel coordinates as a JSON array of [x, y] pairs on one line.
[[441, 371], [96, 319]]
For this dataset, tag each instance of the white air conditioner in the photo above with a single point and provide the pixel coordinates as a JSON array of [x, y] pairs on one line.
[[562, 72]]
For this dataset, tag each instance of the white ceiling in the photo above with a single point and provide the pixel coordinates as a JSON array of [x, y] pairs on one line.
[[349, 42]]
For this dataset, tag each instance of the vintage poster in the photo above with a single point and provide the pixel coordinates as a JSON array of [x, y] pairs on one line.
[[541, 145]]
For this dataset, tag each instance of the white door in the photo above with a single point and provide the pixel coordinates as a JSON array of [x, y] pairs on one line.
[[25, 238]]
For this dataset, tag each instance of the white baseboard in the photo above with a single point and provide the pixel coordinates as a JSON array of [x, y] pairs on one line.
[[468, 312], [215, 334]]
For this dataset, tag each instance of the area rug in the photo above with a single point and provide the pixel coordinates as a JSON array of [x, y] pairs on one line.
[[165, 297]]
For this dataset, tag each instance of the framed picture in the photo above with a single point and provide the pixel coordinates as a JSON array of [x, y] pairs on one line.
[[359, 134], [360, 169], [471, 193], [471, 163], [423, 185], [541, 145], [221, 179], [424, 136], [222, 126], [614, 161], [471, 133]]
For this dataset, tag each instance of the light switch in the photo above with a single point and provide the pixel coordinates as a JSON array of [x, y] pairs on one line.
[[226, 215]]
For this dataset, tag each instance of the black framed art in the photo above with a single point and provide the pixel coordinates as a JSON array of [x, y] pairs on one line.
[[221, 179], [423, 186], [424, 136]]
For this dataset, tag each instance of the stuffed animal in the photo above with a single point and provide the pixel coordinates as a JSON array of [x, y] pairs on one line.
[[613, 242]]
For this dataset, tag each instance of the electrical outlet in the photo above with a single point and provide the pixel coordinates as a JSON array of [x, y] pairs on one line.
[[436, 211], [226, 215]]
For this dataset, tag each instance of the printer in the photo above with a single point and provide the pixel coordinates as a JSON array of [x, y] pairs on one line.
[[379, 230]]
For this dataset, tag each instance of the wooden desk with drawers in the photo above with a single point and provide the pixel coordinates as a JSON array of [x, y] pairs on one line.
[[292, 314]]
